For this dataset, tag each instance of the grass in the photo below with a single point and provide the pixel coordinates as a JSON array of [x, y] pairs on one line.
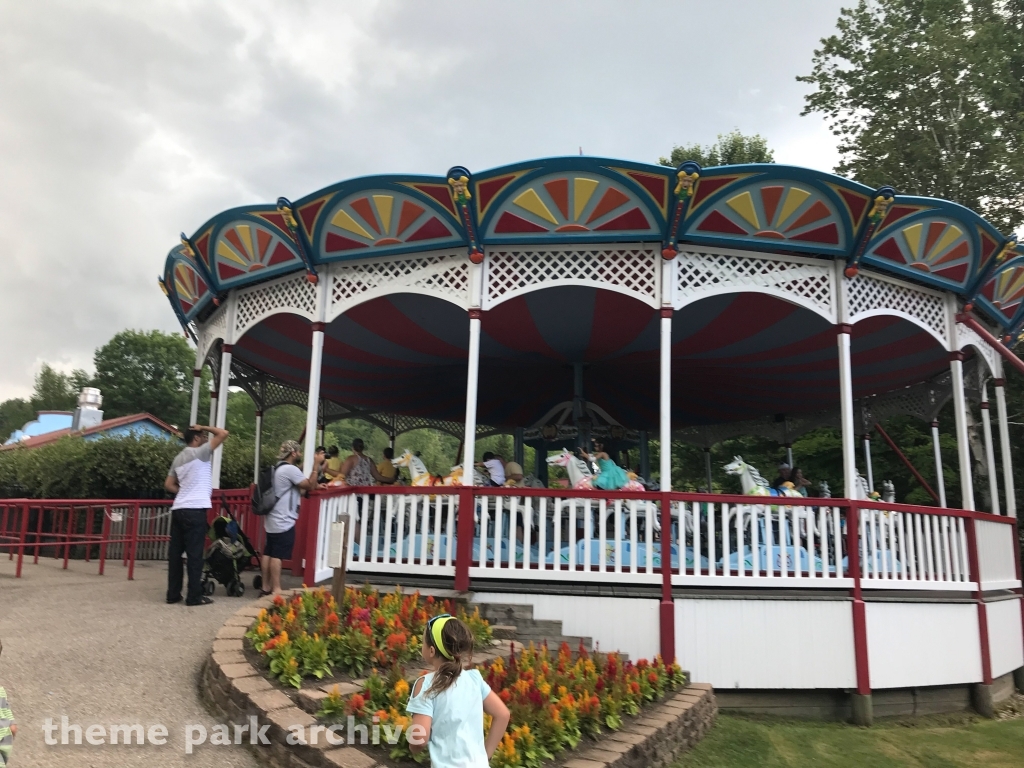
[[952, 741]]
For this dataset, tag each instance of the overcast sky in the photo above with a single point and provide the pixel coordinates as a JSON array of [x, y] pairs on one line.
[[125, 123]]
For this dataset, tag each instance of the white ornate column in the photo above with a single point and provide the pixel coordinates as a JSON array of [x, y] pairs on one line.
[[259, 445], [472, 384], [963, 448], [990, 454], [477, 276], [665, 405], [222, 408], [844, 332], [316, 359], [937, 450], [1004, 442], [867, 461], [197, 381]]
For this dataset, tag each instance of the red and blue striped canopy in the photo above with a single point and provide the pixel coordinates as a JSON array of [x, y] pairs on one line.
[[734, 357]]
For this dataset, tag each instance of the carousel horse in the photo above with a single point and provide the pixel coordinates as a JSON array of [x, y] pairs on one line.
[[418, 474], [753, 483], [455, 477], [888, 492], [581, 477]]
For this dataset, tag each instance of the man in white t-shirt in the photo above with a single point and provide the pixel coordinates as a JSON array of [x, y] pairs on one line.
[[190, 480], [289, 483], [495, 468]]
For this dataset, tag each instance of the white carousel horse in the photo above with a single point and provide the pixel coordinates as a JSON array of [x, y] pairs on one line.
[[581, 478], [418, 474], [888, 492], [753, 483]]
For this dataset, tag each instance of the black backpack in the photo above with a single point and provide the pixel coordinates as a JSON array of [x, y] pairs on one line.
[[264, 497]]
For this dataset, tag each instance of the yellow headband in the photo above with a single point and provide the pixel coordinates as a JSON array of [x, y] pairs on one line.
[[435, 632]]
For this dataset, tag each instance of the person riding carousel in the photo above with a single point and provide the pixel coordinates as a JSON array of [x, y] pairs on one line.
[[611, 477]]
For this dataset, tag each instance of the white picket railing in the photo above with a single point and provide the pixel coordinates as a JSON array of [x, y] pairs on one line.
[[596, 537], [901, 550]]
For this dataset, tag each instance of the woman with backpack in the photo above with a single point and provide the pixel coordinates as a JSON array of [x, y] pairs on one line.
[[289, 484]]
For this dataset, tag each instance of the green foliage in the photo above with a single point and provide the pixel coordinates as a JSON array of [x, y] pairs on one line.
[[151, 372], [73, 468], [14, 414], [940, 741], [56, 391], [928, 96], [730, 149]]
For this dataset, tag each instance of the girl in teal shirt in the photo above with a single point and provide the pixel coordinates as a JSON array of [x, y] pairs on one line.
[[448, 704]]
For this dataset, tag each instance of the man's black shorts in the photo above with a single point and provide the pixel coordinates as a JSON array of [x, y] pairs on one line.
[[280, 545]]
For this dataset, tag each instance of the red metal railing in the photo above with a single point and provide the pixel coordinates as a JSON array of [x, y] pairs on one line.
[[104, 529]]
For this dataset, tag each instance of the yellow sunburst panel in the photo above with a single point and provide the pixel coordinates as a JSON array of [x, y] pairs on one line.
[[915, 232], [530, 201], [185, 282], [486, 191], [743, 204], [384, 205], [343, 220], [1009, 287], [582, 190]]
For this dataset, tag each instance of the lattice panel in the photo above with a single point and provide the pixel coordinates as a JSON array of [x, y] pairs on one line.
[[967, 336], [706, 273], [866, 294], [215, 327], [293, 294], [444, 274], [630, 270], [279, 393]]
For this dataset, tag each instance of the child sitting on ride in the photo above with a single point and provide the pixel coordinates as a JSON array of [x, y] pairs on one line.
[[611, 476]]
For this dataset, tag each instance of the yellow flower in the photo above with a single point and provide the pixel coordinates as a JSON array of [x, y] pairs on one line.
[[284, 638], [401, 688]]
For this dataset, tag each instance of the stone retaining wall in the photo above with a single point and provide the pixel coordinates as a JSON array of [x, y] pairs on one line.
[[237, 692]]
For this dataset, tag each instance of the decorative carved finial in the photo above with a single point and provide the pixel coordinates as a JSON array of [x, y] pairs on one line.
[[163, 286], [460, 189], [186, 247]]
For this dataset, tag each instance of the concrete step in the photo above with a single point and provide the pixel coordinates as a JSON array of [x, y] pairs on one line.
[[504, 631]]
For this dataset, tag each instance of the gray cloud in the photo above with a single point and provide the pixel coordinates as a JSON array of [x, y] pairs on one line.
[[124, 123]]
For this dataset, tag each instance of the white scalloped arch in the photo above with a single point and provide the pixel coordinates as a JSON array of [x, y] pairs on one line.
[[444, 275], [633, 270], [968, 337], [702, 273], [292, 294], [874, 295]]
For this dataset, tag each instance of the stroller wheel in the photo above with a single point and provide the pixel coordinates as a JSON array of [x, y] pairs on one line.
[[257, 582], [236, 588], [208, 587]]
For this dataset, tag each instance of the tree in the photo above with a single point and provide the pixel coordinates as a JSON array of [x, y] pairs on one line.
[[731, 149], [139, 371], [56, 391], [928, 96], [14, 414]]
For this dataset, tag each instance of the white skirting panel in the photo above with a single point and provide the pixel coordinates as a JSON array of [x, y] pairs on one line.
[[918, 644], [996, 542], [1006, 645], [615, 623], [767, 643]]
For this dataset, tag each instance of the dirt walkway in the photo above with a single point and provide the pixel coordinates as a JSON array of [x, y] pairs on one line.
[[107, 651]]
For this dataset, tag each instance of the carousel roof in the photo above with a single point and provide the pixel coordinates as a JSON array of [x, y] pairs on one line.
[[774, 208], [736, 356]]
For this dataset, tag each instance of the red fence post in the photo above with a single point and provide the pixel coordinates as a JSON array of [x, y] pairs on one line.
[[667, 614], [134, 541], [982, 698], [22, 539], [104, 535], [863, 711], [39, 534], [306, 564], [68, 533], [464, 538]]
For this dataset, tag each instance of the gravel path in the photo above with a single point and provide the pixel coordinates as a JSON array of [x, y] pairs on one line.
[[104, 650]]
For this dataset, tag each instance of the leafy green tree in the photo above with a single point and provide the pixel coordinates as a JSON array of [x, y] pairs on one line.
[[928, 96], [14, 414], [730, 149], [140, 371], [56, 391]]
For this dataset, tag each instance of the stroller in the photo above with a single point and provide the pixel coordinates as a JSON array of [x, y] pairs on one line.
[[227, 557]]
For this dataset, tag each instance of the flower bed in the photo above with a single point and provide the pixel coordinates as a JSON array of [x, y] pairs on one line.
[[310, 635], [556, 700]]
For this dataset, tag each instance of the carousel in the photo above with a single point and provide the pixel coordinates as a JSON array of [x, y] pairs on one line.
[[574, 302]]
